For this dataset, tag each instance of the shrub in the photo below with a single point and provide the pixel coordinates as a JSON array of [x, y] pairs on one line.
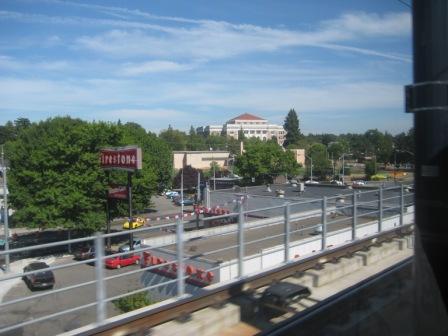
[[132, 302], [379, 177]]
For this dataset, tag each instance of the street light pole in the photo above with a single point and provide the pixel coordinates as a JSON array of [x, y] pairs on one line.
[[311, 172], [182, 194], [214, 176], [395, 166], [343, 166], [5, 213]]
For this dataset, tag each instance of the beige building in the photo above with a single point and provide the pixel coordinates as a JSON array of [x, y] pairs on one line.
[[252, 127], [299, 155], [200, 159]]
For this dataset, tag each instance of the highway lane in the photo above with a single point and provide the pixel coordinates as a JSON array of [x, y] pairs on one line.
[[35, 308]]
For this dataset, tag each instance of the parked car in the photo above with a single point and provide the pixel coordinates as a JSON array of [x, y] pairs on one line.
[[336, 182], [279, 296], [311, 182], [125, 247], [87, 252], [43, 279], [171, 194], [185, 201], [358, 183], [121, 261], [135, 223]]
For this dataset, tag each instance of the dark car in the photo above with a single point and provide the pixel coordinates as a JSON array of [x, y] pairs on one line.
[[186, 201], [87, 252], [277, 298], [43, 279]]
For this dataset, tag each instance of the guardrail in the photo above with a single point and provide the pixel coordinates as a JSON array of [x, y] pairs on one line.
[[380, 205]]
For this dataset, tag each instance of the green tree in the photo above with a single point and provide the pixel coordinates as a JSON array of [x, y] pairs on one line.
[[190, 177], [21, 124], [157, 167], [177, 140], [264, 161], [55, 178], [291, 126], [370, 168], [404, 146], [321, 164], [195, 141], [7, 132], [241, 135]]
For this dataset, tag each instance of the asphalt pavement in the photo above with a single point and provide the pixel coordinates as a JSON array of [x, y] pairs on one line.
[[54, 303]]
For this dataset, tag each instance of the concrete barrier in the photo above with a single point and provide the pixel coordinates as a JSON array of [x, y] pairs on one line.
[[334, 271], [205, 322]]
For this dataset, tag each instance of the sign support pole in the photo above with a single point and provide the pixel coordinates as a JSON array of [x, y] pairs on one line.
[[108, 212], [131, 235]]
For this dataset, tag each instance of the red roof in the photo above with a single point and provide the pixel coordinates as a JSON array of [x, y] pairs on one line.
[[246, 116]]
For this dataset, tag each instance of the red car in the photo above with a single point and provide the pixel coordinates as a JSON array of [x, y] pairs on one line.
[[124, 260]]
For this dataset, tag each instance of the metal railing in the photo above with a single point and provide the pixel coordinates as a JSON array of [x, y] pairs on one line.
[[361, 209]]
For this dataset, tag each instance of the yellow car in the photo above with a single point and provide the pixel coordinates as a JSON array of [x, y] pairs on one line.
[[136, 223]]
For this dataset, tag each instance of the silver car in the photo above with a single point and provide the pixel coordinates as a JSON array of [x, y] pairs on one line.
[[125, 247]]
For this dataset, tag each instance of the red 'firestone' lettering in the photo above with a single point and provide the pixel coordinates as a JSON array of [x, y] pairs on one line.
[[128, 158]]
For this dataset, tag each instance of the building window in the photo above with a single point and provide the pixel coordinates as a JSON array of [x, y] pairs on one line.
[[258, 132], [252, 132], [264, 132], [246, 132]]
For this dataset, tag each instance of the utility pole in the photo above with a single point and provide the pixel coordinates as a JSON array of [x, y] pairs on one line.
[[427, 98], [198, 191], [5, 212]]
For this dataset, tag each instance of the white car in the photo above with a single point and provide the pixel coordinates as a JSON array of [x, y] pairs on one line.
[[336, 182], [358, 183], [171, 194], [311, 182]]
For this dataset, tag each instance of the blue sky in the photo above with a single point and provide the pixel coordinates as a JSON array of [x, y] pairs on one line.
[[340, 64]]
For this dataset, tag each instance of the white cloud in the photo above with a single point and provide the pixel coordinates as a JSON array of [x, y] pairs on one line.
[[158, 113], [134, 69], [10, 63], [218, 39], [368, 24]]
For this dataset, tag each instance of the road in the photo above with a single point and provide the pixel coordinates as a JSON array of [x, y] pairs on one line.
[[47, 305]]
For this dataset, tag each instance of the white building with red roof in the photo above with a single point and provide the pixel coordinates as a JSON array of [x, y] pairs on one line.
[[252, 127]]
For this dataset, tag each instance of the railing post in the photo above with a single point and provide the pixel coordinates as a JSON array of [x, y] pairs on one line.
[[401, 205], [241, 241], [180, 257], [355, 215], [100, 284], [380, 209], [287, 231], [324, 223]]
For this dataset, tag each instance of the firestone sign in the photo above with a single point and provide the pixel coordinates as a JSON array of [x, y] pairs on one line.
[[121, 158]]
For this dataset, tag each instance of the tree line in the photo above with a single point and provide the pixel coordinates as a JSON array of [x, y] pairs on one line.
[[56, 181]]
